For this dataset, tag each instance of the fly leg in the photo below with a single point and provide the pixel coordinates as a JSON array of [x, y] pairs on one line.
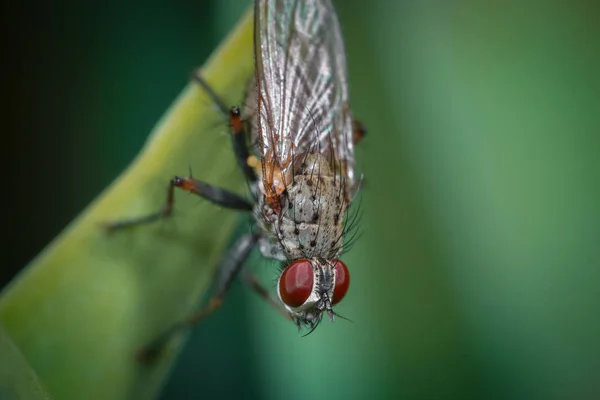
[[229, 268], [259, 289], [238, 133], [212, 193], [358, 131]]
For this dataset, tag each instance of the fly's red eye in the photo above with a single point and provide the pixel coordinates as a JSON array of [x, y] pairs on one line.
[[296, 283], [342, 281]]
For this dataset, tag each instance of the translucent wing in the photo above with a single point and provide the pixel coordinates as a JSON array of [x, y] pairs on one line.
[[302, 91]]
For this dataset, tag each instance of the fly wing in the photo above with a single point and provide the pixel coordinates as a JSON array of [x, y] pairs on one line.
[[302, 90]]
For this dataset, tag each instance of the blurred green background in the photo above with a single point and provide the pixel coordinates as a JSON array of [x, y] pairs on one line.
[[478, 271]]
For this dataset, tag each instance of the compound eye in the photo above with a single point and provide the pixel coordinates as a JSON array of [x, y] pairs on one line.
[[296, 283], [342, 281]]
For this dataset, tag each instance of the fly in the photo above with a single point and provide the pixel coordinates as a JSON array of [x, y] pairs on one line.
[[294, 143]]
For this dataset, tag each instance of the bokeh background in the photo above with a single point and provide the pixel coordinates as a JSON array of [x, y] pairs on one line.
[[478, 271]]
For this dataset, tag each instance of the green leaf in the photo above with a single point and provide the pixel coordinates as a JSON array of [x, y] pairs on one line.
[[80, 310], [17, 380]]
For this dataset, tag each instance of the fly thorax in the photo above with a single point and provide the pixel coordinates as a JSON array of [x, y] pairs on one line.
[[313, 213]]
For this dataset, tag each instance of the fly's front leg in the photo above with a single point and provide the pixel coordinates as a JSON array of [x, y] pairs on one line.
[[260, 290], [228, 270], [212, 193], [238, 133]]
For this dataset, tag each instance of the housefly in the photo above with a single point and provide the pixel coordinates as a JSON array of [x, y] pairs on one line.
[[294, 142]]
